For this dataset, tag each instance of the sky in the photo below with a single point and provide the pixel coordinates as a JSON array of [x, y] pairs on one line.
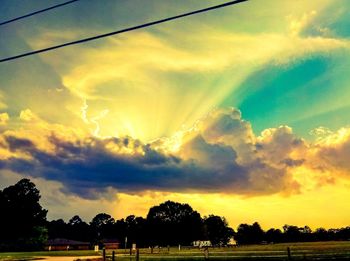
[[241, 112]]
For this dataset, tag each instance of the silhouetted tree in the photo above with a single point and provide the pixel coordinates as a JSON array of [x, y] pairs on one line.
[[172, 223], [23, 225], [344, 233], [102, 226], [58, 229], [292, 233], [79, 230], [249, 234], [75, 220], [321, 234], [217, 230], [22, 219], [136, 230], [274, 235], [120, 228]]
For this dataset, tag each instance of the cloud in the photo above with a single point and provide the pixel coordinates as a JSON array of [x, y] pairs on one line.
[[28, 116], [218, 155], [296, 25], [332, 151], [144, 54], [4, 117], [280, 145], [88, 168], [320, 132]]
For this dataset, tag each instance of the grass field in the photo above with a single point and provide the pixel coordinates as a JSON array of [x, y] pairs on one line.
[[299, 251]]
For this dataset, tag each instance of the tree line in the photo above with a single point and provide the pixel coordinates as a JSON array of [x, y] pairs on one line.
[[24, 226]]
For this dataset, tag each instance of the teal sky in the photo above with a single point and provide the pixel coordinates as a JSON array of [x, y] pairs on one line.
[[306, 94]]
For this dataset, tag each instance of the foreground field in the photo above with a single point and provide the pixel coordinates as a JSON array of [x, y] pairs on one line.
[[299, 251]]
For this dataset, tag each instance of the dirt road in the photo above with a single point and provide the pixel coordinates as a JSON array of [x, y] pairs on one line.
[[70, 258]]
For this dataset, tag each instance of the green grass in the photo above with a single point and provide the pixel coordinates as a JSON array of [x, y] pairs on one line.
[[299, 251]]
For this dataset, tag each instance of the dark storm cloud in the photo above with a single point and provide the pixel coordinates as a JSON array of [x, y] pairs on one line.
[[293, 163], [85, 168], [15, 143]]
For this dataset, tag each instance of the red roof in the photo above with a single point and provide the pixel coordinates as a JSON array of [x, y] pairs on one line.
[[65, 242]]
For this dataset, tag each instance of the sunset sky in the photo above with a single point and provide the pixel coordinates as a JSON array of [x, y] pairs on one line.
[[242, 112]]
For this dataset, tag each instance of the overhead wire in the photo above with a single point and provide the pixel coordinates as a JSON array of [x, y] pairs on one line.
[[122, 30], [37, 12]]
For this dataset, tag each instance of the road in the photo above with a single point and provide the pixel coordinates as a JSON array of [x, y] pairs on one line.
[[70, 258]]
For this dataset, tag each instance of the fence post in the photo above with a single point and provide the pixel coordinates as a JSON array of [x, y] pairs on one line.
[[289, 255], [137, 257], [104, 254], [206, 253], [113, 255]]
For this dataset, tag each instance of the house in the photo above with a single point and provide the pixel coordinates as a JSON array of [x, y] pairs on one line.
[[110, 243], [66, 244]]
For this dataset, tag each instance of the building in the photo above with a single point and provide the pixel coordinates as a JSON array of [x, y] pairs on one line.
[[66, 244], [110, 243]]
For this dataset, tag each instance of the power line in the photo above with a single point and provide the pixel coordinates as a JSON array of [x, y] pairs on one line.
[[37, 12], [122, 31]]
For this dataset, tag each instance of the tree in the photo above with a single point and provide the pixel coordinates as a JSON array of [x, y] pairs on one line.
[[120, 228], [249, 234], [274, 235], [292, 233], [217, 230], [23, 220], [78, 229], [75, 220], [58, 229], [102, 226], [136, 230], [173, 223], [344, 233], [321, 234]]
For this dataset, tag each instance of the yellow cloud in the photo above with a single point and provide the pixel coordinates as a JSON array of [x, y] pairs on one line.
[[4, 117], [135, 57], [38, 131], [28, 116]]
